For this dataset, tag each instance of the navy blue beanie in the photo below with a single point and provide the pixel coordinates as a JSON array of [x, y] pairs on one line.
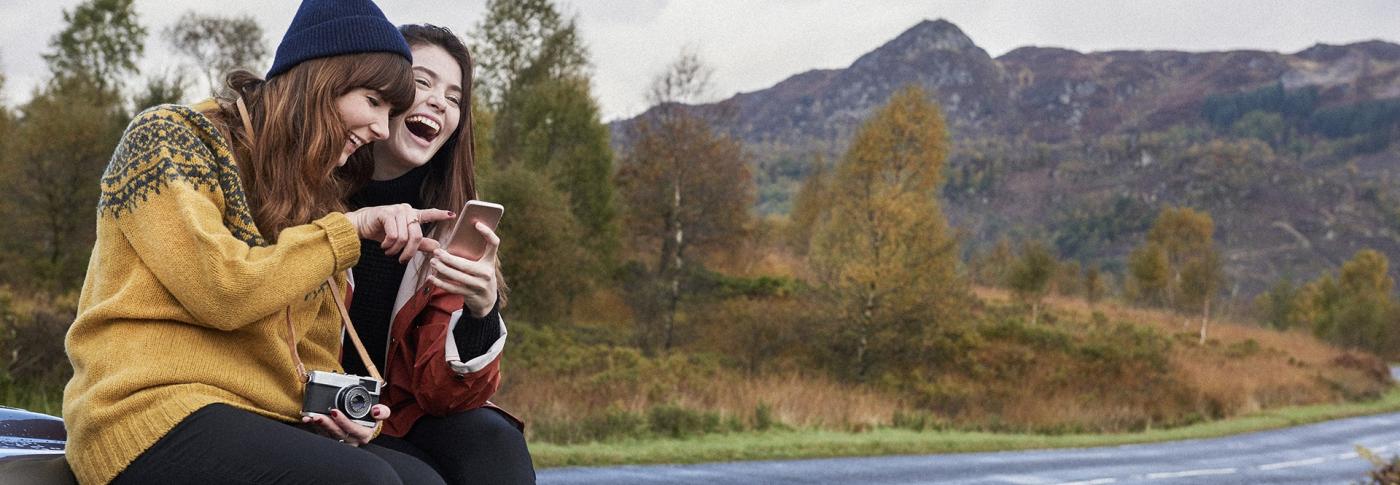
[[324, 28]]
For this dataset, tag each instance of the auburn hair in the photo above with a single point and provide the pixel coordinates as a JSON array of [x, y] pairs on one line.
[[451, 180], [288, 163]]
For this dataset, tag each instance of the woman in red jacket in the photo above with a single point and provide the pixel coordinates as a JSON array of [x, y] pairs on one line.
[[436, 316]]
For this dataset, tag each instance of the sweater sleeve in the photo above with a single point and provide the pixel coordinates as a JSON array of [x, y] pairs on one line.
[[178, 224], [474, 336]]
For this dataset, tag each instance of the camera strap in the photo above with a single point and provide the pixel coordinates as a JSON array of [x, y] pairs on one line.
[[335, 294], [345, 323]]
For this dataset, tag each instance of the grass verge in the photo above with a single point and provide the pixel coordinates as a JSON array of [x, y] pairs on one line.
[[787, 445]]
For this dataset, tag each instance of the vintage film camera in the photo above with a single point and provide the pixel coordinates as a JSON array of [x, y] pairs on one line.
[[352, 395]]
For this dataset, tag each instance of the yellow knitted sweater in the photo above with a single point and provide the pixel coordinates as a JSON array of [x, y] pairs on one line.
[[184, 300]]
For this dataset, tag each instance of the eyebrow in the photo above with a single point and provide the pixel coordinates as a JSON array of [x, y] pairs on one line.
[[435, 77]]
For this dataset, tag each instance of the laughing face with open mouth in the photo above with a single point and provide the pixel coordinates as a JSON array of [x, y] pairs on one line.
[[416, 136]]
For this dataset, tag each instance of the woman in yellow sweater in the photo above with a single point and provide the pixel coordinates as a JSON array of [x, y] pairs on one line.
[[217, 230]]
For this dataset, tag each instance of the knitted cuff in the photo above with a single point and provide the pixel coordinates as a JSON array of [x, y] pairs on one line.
[[475, 335], [345, 240]]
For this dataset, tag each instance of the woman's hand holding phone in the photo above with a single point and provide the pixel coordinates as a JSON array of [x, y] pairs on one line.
[[398, 228], [474, 280]]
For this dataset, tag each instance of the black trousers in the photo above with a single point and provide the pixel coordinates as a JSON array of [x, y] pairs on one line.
[[477, 446], [219, 444]]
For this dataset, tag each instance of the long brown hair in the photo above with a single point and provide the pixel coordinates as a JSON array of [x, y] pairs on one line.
[[288, 165], [451, 179]]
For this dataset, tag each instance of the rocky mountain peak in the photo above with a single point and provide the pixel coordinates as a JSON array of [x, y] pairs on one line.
[[927, 37], [935, 34]]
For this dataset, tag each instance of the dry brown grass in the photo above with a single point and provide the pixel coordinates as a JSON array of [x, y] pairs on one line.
[[798, 401], [1285, 368], [1241, 369]]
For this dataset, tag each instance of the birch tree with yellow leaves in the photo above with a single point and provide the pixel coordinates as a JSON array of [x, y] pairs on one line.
[[883, 253]]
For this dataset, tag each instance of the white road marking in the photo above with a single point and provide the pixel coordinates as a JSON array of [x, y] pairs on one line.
[[17, 452], [1096, 481], [1019, 479], [1294, 463], [1192, 473]]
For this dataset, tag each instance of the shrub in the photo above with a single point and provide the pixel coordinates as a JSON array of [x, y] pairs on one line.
[[674, 421], [918, 420], [762, 417]]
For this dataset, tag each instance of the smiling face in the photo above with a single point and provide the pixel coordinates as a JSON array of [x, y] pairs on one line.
[[366, 117], [437, 108]]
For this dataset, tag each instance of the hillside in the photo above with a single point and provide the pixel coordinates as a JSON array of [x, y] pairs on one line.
[[1292, 154], [1102, 369]]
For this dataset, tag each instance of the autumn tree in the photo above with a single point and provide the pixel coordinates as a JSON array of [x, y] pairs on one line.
[[1030, 275], [1180, 239], [884, 256], [808, 207], [1354, 308], [686, 191], [1149, 274], [1200, 281], [217, 44]]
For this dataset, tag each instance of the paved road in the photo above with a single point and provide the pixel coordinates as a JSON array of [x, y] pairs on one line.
[[1311, 454]]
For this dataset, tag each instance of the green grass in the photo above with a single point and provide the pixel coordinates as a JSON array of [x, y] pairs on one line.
[[44, 398], [782, 445]]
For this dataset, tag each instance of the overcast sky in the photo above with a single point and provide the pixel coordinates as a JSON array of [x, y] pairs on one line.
[[753, 44]]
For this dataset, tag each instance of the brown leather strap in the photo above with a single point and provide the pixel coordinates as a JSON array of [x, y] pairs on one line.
[[345, 323], [350, 329], [247, 121], [292, 345]]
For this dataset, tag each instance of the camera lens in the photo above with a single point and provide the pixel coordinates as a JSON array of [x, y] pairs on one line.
[[355, 401]]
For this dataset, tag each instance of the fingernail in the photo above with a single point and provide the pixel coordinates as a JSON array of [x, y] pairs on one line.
[[451, 214]]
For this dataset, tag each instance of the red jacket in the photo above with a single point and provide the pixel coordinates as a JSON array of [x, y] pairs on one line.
[[424, 373]]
